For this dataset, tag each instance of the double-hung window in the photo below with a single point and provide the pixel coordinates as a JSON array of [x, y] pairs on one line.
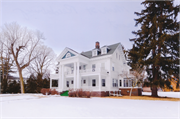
[[120, 83], [93, 67], [112, 68], [115, 83], [94, 82], [67, 83], [103, 82]]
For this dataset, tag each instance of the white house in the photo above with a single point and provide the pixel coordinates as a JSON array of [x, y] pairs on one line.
[[98, 70]]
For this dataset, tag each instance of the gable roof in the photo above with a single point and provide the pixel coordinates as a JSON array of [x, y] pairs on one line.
[[65, 51], [111, 51]]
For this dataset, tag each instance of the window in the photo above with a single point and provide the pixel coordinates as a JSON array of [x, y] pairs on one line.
[[130, 83], [72, 82], [119, 57], [67, 83], [54, 83], [57, 70], [124, 83], [112, 68], [84, 67], [116, 55], [94, 82], [115, 83], [103, 82], [120, 83], [93, 67], [94, 53], [104, 50], [68, 55], [84, 81]]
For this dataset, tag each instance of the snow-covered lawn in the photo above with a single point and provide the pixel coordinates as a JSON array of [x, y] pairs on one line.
[[31, 106], [165, 94]]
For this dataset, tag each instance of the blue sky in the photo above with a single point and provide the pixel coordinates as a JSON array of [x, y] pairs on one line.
[[76, 24]]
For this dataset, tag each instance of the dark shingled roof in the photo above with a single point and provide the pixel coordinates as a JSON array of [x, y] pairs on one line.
[[111, 51]]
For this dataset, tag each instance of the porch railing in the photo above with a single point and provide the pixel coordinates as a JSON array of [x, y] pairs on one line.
[[91, 70]]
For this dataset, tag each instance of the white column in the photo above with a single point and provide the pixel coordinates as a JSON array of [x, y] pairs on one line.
[[100, 82], [122, 82], [60, 78], [78, 80], [74, 75], [62, 74]]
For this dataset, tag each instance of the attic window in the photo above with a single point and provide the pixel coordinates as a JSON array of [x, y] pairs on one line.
[[68, 55], [94, 53], [104, 51]]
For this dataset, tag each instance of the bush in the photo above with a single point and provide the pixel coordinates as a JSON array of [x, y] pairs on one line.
[[88, 94], [79, 93], [43, 91], [54, 92], [47, 91], [70, 93]]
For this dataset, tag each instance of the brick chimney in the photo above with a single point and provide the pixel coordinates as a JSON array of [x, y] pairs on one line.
[[97, 45]]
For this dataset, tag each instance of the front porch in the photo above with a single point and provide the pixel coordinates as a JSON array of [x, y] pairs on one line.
[[87, 83]]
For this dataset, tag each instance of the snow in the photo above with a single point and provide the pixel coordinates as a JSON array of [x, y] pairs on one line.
[[37, 106], [165, 94]]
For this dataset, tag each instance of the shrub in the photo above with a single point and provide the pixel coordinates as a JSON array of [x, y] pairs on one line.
[[53, 92], [79, 93], [88, 94], [70, 93], [47, 91], [43, 91]]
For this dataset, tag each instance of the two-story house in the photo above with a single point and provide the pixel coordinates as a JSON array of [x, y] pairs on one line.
[[98, 70]]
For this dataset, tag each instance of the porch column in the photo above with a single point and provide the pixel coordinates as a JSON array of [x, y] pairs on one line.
[[78, 85], [100, 82], [60, 78], [74, 75], [122, 82], [62, 74]]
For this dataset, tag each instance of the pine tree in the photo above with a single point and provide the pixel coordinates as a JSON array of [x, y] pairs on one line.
[[46, 83], [156, 45], [31, 86], [14, 87], [39, 82]]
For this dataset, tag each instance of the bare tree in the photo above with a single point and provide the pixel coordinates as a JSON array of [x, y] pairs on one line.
[[21, 43], [136, 76], [42, 64], [6, 61], [43, 61]]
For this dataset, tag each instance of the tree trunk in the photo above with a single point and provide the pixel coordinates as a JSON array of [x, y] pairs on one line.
[[21, 81], [154, 91]]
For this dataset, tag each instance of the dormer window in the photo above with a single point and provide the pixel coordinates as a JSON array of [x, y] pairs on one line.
[[104, 50], [94, 53]]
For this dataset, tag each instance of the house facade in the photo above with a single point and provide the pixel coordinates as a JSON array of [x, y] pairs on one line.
[[99, 70]]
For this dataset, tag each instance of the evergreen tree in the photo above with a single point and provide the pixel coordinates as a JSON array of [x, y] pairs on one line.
[[156, 45], [39, 82], [31, 86], [14, 87], [5, 71], [4, 85], [46, 83]]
